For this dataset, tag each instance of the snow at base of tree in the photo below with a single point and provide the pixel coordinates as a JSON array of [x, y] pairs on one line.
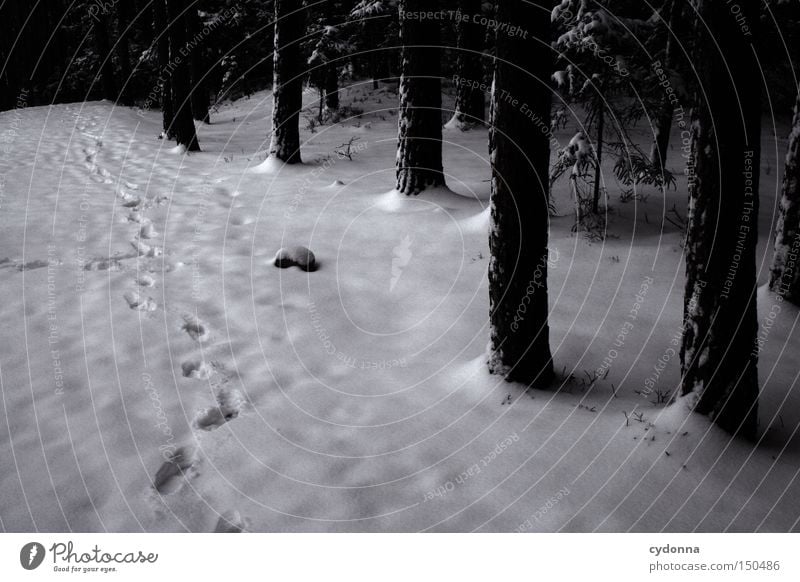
[[433, 199]]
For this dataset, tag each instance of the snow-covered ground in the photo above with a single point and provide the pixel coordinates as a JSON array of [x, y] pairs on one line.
[[159, 373]]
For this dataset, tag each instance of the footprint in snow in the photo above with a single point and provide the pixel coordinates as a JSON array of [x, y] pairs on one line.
[[168, 477], [229, 405], [99, 179], [131, 202], [145, 250], [148, 231], [89, 155], [128, 200], [139, 302], [196, 328], [196, 369], [30, 265], [145, 281], [103, 265], [103, 174], [231, 522], [242, 220]]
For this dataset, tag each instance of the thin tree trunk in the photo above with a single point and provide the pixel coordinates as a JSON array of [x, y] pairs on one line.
[[13, 57], [331, 88], [518, 235], [469, 105], [287, 85], [374, 57], [598, 171], [419, 144], [123, 44], [718, 354], [107, 76], [198, 68], [165, 83], [185, 133], [785, 272], [661, 133]]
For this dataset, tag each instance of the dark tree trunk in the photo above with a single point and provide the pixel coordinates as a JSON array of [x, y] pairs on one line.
[[598, 172], [107, 76], [183, 122], [198, 68], [469, 106], [718, 355], [520, 157], [165, 83], [12, 55], [419, 144], [287, 85], [124, 55], [785, 275], [661, 133], [331, 88], [374, 57]]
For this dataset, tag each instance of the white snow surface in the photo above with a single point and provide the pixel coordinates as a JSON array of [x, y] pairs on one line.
[[160, 374]]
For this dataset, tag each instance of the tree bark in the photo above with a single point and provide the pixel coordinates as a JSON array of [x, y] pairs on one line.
[[520, 158], [469, 105], [598, 170], [124, 51], [331, 88], [419, 144], [183, 122], [103, 44], [718, 354], [198, 67], [661, 133], [374, 57], [13, 54], [287, 85], [785, 271], [164, 81]]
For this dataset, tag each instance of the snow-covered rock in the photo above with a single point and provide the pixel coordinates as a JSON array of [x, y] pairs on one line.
[[297, 256]]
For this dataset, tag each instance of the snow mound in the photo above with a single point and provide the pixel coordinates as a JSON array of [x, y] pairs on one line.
[[456, 124], [432, 199], [297, 256], [272, 165], [477, 224]]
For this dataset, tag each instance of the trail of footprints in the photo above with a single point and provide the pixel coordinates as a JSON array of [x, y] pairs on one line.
[[229, 403]]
